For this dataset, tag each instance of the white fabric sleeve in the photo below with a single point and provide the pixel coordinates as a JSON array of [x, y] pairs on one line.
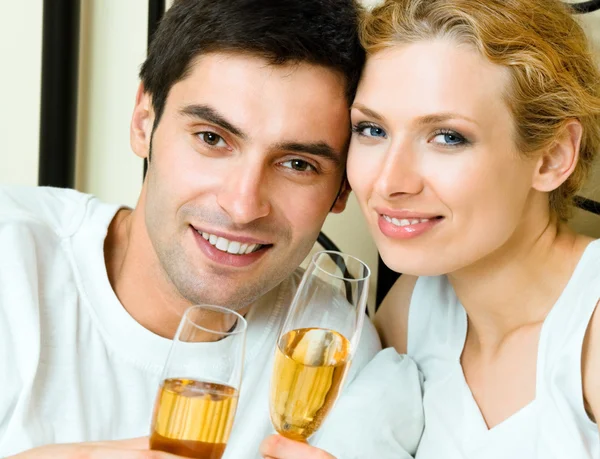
[[380, 415]]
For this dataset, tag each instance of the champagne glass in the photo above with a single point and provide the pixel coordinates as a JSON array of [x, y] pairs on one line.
[[197, 398], [317, 342]]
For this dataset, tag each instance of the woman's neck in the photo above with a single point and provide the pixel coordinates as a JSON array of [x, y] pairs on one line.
[[517, 285]]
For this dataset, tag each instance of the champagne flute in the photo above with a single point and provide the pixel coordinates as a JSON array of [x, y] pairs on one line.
[[197, 399], [317, 342]]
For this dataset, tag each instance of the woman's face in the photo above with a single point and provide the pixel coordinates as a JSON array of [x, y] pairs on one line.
[[433, 160]]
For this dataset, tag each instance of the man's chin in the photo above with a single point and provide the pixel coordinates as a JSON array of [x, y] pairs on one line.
[[235, 291]]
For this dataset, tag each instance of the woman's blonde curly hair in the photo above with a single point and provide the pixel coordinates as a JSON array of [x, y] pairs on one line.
[[554, 76]]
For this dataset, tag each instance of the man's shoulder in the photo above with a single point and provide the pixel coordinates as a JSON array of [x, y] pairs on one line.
[[54, 209]]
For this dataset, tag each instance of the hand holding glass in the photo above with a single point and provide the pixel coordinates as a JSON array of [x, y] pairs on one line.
[[317, 343], [197, 399]]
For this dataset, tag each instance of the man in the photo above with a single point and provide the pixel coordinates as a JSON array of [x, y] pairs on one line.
[[242, 113]]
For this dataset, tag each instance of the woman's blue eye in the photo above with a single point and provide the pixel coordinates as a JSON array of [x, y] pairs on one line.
[[449, 138], [375, 132], [369, 130]]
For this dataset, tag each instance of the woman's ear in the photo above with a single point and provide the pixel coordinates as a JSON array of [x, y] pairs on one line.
[[558, 162], [140, 132]]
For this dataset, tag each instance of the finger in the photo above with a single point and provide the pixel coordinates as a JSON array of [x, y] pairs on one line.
[[100, 452], [135, 443], [130, 443], [105, 450], [278, 447]]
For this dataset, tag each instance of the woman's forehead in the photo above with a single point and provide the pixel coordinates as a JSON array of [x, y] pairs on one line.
[[434, 76]]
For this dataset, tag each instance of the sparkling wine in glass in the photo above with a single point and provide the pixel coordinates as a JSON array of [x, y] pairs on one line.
[[317, 342], [197, 399]]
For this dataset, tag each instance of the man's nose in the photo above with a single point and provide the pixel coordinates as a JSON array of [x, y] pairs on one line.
[[244, 194]]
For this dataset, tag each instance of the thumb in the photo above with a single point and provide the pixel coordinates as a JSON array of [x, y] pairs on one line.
[[140, 443], [278, 447]]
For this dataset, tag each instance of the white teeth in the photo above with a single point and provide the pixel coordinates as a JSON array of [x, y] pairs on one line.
[[222, 244], [233, 247], [405, 221]]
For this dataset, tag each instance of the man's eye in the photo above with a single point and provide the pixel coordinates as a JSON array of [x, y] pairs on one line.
[[298, 165], [212, 139], [369, 130]]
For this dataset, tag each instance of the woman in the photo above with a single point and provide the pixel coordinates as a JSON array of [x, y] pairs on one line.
[[474, 125]]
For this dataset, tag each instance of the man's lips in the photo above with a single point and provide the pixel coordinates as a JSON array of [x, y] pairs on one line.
[[234, 244], [232, 237], [235, 255]]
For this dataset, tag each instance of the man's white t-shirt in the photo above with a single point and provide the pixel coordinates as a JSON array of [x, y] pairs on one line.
[[75, 366]]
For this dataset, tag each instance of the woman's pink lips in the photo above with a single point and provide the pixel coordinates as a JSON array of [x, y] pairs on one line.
[[410, 231], [404, 214]]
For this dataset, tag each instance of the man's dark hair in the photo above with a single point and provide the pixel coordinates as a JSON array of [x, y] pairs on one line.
[[320, 32]]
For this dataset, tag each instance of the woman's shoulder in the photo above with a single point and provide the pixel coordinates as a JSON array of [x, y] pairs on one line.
[[590, 366], [590, 358]]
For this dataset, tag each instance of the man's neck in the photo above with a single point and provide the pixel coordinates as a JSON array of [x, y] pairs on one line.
[[132, 269], [138, 279]]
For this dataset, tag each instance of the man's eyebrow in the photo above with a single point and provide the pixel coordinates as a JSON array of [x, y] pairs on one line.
[[207, 113], [312, 148], [367, 111]]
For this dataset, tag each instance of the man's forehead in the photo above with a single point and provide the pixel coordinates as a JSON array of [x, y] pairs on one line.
[[229, 71], [237, 59], [297, 101]]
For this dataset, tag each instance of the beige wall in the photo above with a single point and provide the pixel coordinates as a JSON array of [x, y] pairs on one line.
[[20, 80], [113, 46]]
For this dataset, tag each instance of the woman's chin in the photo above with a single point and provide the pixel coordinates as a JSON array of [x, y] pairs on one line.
[[415, 266]]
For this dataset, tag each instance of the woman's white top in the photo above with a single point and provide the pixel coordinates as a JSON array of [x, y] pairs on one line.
[[553, 425]]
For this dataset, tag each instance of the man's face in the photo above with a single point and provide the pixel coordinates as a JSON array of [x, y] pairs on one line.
[[247, 161]]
